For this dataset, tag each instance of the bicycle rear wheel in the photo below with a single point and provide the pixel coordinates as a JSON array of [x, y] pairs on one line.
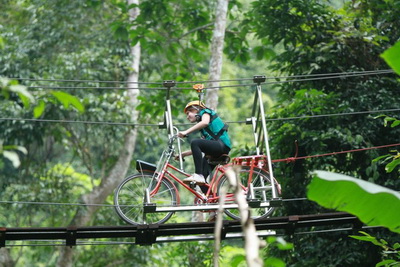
[[260, 180], [129, 200]]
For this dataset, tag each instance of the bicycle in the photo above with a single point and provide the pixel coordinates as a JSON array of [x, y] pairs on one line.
[[139, 196]]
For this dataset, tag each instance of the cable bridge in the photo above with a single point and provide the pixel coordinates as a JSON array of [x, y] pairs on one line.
[[148, 234]]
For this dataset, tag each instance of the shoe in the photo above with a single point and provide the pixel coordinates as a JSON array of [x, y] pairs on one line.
[[197, 178]]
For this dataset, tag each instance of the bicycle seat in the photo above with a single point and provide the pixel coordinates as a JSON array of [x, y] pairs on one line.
[[145, 166], [223, 159]]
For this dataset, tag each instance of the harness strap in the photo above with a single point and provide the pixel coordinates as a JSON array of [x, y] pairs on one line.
[[221, 132], [218, 135]]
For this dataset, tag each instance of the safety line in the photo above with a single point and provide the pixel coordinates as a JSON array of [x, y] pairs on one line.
[[371, 72], [363, 73], [185, 124], [102, 88], [334, 230], [292, 159], [316, 79], [102, 205], [334, 114], [319, 77], [58, 204], [81, 81], [84, 122]]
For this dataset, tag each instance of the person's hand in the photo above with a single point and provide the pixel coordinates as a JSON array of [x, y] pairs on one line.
[[182, 134], [183, 155], [177, 157]]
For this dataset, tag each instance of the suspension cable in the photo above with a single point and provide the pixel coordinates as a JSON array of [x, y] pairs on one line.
[[360, 73], [185, 124], [300, 78]]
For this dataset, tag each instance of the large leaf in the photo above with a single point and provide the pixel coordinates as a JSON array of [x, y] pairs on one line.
[[67, 99], [39, 109], [374, 205], [392, 57]]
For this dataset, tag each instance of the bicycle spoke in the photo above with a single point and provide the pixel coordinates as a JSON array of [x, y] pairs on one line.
[[261, 185], [129, 200]]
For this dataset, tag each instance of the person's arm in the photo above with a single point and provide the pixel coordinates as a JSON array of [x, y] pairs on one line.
[[184, 154], [205, 120]]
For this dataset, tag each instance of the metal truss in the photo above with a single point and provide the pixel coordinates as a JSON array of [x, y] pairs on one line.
[[176, 232]]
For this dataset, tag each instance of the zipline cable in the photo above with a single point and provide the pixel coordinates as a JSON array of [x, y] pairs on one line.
[[292, 159], [81, 81], [372, 72], [43, 203], [358, 73], [318, 77], [334, 114], [185, 124]]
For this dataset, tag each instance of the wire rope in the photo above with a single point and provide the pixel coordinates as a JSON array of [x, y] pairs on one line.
[[99, 205], [185, 124], [317, 77], [82, 81], [361, 73]]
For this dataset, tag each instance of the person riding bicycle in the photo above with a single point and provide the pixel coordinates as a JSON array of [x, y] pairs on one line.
[[215, 139]]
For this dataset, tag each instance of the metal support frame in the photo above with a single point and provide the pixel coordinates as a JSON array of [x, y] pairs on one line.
[[261, 141], [167, 123], [259, 126], [205, 207], [176, 232], [146, 234], [70, 239], [167, 114], [3, 237]]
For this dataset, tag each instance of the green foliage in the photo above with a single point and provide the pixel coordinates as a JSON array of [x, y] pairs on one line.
[[232, 256], [391, 254], [181, 254], [318, 39], [8, 86], [74, 40], [280, 244], [392, 57], [395, 160], [344, 193]]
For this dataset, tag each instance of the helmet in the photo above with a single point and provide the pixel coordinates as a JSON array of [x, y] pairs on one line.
[[194, 103]]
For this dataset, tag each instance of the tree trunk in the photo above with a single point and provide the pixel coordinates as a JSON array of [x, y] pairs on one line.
[[118, 172], [217, 53], [5, 258]]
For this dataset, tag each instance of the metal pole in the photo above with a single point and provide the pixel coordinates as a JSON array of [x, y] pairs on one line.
[[265, 132], [168, 114]]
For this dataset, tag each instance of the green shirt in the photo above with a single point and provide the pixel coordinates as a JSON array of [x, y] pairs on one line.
[[215, 125]]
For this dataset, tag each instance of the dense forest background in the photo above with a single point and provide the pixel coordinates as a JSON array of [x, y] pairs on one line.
[[81, 101]]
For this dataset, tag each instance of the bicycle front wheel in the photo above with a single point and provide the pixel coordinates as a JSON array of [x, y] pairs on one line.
[[260, 180], [129, 199]]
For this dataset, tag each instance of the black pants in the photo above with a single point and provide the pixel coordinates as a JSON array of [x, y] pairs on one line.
[[209, 147]]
